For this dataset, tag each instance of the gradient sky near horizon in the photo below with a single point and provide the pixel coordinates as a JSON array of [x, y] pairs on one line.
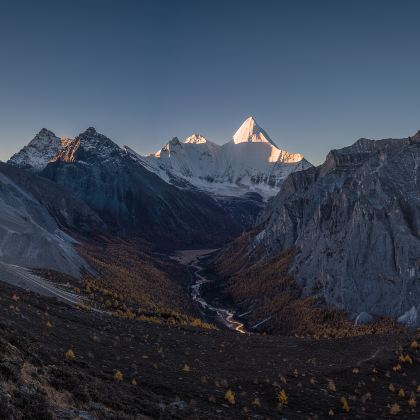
[[316, 75]]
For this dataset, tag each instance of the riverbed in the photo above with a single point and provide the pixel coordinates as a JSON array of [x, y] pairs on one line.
[[193, 258]]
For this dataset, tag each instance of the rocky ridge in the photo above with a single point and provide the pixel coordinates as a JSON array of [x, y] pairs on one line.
[[355, 221]]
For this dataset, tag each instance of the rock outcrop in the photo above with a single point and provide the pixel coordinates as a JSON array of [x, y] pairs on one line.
[[355, 221], [29, 235]]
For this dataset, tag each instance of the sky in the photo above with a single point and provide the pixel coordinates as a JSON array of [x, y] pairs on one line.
[[316, 75]]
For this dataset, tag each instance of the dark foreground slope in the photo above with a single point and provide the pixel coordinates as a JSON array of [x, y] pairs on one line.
[[125, 369]]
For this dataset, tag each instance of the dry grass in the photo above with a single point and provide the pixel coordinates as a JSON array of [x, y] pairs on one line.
[[235, 256], [133, 284], [130, 273]]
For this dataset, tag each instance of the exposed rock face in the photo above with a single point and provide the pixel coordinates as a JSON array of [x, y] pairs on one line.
[[29, 235], [356, 223], [133, 201], [68, 211]]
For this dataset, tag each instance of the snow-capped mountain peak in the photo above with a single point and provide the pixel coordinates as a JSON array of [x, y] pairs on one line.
[[251, 132], [46, 147], [89, 132], [89, 146], [44, 132], [168, 148], [195, 139], [175, 141], [39, 151]]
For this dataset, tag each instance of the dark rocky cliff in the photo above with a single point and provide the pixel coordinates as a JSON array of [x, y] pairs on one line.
[[355, 221]]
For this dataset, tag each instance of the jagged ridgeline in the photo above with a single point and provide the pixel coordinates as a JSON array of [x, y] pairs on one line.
[[187, 194], [131, 200]]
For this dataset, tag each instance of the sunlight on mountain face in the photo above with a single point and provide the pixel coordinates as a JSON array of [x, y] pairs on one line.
[[250, 162], [251, 132]]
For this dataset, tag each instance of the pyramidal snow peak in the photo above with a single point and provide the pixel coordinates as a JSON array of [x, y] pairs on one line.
[[251, 132]]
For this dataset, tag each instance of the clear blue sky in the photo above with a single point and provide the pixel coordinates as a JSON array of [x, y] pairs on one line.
[[316, 74]]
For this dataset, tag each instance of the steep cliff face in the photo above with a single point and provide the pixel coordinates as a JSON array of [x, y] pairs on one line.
[[355, 222], [68, 211], [29, 235]]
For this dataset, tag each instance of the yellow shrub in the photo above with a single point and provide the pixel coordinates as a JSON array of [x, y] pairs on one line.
[[344, 404], [118, 376], [230, 396], [282, 397], [396, 368], [394, 409], [406, 359], [70, 354]]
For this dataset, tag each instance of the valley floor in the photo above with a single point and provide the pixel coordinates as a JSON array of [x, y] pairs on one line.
[[129, 369]]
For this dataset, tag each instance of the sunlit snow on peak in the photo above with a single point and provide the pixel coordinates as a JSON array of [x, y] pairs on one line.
[[250, 163], [196, 139], [251, 132]]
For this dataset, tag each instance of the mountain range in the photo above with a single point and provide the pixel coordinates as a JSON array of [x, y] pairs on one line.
[[138, 285], [250, 162], [197, 192], [353, 222], [131, 200]]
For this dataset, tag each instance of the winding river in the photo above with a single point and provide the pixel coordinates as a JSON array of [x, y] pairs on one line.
[[192, 259]]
